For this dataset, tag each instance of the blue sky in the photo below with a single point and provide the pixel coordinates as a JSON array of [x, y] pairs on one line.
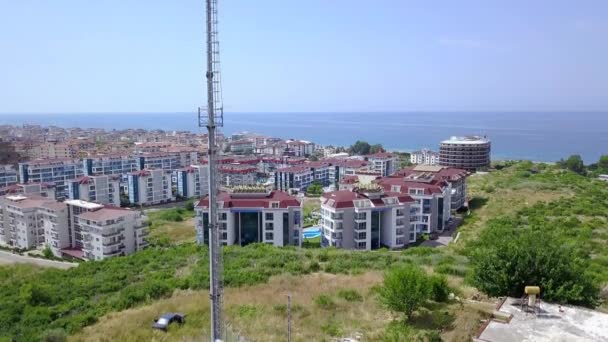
[[307, 55]]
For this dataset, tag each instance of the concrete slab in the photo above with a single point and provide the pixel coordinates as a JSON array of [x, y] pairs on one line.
[[554, 323]]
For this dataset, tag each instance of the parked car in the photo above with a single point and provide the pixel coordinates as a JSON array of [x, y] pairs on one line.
[[163, 322]]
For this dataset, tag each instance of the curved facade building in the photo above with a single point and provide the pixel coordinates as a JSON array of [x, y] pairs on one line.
[[470, 153]]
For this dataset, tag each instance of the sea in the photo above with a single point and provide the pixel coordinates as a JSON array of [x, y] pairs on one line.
[[537, 136]]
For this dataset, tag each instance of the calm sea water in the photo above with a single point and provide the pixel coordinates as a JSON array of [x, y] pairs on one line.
[[535, 136]]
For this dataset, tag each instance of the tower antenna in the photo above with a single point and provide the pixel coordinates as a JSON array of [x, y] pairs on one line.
[[212, 118]]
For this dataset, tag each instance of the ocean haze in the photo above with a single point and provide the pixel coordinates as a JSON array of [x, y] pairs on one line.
[[540, 136]]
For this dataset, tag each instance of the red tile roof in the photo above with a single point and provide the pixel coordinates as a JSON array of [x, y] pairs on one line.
[[284, 198], [446, 173], [380, 155], [344, 198]]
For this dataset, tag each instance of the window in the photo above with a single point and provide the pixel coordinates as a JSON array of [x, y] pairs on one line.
[[275, 205], [269, 226], [269, 216], [223, 216], [269, 236]]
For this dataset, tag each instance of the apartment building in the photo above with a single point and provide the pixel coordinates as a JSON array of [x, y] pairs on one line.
[[471, 153], [148, 187], [168, 161], [237, 174], [244, 146], [366, 218], [300, 148], [100, 189], [383, 163], [341, 168], [457, 178], [8, 176], [294, 178], [20, 223], [192, 181], [253, 214], [432, 200], [54, 150], [424, 157], [45, 190], [114, 164], [56, 171], [108, 232]]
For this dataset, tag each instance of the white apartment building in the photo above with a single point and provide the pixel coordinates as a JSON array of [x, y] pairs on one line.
[[432, 201], [77, 228], [294, 178], [237, 174], [8, 176], [253, 214], [113, 164], [99, 189], [424, 157], [366, 218], [192, 181], [148, 187], [168, 161], [384, 163], [300, 148], [109, 232]]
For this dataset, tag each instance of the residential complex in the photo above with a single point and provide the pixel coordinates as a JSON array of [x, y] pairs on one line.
[[113, 164], [77, 228], [192, 181], [56, 171], [250, 214], [8, 176], [471, 153], [383, 163], [148, 187], [455, 177], [365, 218], [424, 157], [99, 189], [237, 174]]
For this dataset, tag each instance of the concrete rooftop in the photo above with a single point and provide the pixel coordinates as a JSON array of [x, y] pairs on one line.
[[552, 324]]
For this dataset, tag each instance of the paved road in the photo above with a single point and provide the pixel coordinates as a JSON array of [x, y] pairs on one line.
[[444, 238], [10, 258]]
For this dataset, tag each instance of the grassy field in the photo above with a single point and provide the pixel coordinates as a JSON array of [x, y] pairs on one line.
[[172, 226]]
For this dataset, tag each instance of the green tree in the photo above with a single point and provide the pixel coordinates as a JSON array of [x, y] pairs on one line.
[[404, 289], [315, 189], [47, 252], [360, 147], [603, 163], [376, 148], [532, 256], [574, 163]]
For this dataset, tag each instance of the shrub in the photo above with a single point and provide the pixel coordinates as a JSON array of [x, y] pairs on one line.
[[325, 302], [404, 289], [350, 295], [331, 328], [439, 288], [314, 266]]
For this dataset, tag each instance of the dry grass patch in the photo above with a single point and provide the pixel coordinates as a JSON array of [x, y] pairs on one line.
[[257, 312], [176, 232]]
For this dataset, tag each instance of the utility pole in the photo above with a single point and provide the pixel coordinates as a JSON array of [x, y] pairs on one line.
[[212, 118], [288, 318]]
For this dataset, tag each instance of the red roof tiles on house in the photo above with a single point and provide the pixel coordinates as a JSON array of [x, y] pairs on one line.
[[285, 201]]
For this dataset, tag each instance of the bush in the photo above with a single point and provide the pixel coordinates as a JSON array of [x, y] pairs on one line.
[[504, 266], [55, 335], [404, 289], [331, 328], [439, 288], [350, 295], [189, 205], [325, 302]]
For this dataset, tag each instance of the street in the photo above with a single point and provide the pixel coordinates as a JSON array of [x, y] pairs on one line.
[[10, 258]]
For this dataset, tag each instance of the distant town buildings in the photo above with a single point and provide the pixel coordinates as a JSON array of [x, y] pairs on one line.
[[424, 157], [55, 171], [471, 153], [250, 214]]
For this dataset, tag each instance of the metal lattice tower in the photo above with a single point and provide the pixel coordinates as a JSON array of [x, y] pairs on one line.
[[212, 118]]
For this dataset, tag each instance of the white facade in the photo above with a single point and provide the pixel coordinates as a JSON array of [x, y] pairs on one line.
[[192, 181], [424, 157], [99, 189], [383, 163], [148, 187], [352, 220], [8, 176], [58, 172]]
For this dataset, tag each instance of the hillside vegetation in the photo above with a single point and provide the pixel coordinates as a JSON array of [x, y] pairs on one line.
[[334, 291]]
